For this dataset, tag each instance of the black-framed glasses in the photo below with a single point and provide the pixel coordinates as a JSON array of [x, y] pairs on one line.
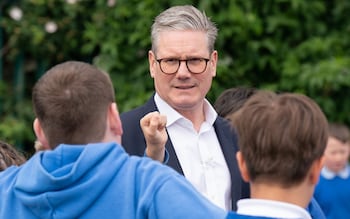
[[194, 65]]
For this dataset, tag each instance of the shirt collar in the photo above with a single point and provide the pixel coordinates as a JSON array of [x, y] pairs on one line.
[[271, 208], [328, 174], [173, 115]]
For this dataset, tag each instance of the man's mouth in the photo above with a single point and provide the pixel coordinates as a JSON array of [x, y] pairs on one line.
[[184, 87]]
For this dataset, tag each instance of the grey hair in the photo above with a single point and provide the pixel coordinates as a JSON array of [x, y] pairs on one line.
[[184, 17]]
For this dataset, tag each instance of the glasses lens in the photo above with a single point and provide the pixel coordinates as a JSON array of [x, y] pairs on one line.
[[196, 65], [169, 66]]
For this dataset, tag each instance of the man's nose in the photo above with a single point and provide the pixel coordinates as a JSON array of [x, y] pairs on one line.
[[183, 70]]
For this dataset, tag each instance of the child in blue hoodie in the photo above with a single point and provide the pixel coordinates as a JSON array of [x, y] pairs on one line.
[[86, 173]]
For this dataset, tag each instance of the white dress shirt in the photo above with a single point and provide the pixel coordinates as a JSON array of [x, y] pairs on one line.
[[270, 208], [199, 153]]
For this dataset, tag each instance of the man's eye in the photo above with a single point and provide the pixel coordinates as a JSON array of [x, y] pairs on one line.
[[195, 61], [171, 61]]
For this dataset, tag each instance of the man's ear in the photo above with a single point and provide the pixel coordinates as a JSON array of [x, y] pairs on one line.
[[40, 135], [114, 122], [213, 62], [242, 167], [152, 63]]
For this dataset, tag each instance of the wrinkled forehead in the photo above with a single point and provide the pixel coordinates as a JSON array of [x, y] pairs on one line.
[[181, 41]]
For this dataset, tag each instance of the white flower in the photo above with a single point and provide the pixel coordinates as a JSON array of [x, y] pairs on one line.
[[50, 27], [16, 13], [111, 3], [72, 1]]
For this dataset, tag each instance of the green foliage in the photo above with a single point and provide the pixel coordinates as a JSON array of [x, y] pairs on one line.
[[16, 119], [281, 45]]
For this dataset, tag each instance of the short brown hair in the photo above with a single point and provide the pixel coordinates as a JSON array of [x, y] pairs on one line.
[[280, 136], [339, 131], [9, 156], [232, 99], [71, 101]]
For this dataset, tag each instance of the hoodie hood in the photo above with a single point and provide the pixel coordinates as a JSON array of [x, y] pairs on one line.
[[98, 181], [60, 180]]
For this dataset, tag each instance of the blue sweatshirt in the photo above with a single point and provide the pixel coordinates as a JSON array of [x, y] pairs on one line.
[[333, 193], [234, 215], [98, 181]]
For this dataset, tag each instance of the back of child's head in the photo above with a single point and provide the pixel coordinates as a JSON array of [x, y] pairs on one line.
[[232, 99], [280, 136], [71, 102], [9, 156]]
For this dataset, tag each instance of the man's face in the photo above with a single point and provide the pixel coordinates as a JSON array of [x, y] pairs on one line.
[[183, 90], [336, 154]]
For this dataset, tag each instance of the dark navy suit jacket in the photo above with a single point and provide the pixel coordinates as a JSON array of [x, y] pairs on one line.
[[134, 143]]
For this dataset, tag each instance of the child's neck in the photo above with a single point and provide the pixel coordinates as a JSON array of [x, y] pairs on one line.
[[299, 195]]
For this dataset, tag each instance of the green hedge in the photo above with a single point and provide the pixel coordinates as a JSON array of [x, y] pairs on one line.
[[281, 45]]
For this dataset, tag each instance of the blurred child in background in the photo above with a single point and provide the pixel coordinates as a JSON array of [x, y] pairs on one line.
[[9, 156], [333, 189]]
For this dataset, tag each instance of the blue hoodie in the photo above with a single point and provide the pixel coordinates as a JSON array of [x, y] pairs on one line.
[[98, 181]]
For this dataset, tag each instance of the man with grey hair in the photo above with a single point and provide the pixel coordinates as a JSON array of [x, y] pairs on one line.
[[201, 145]]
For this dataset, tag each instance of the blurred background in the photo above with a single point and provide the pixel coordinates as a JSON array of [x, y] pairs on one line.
[[281, 45]]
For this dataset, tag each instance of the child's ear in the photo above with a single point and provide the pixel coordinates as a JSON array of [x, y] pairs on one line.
[[40, 135], [242, 167], [316, 170], [114, 120]]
